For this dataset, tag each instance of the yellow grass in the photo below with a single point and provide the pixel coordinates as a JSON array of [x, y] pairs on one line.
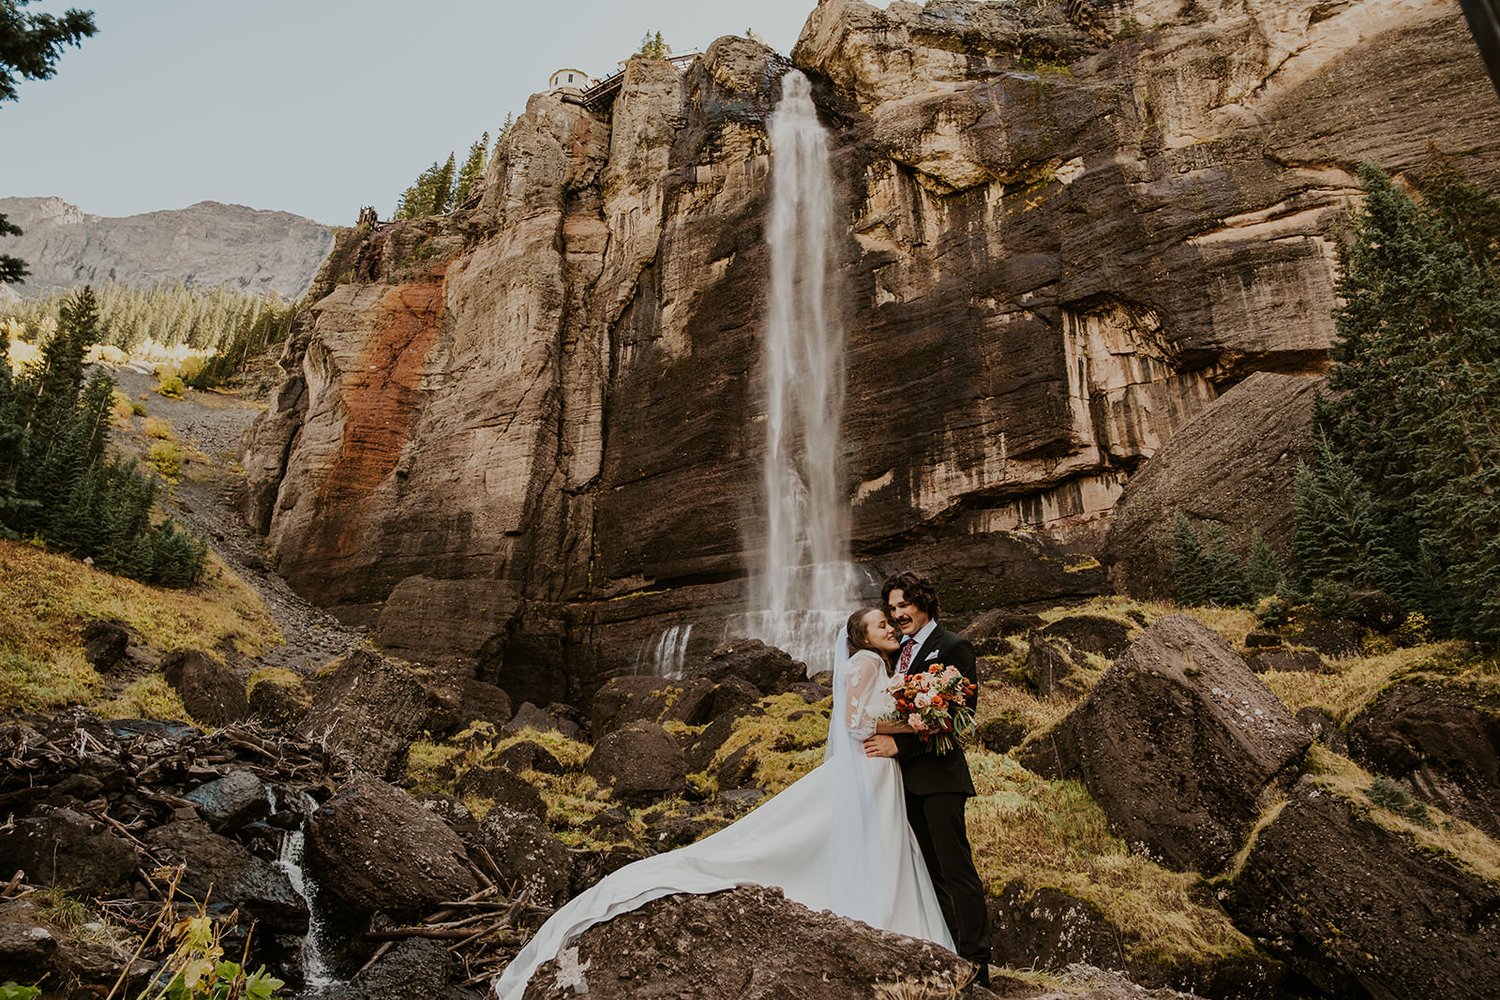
[[45, 598], [1354, 680], [1465, 844], [157, 427], [149, 697], [1045, 833], [785, 743], [999, 700]]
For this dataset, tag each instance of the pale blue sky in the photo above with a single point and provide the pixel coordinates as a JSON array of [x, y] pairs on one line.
[[313, 106]]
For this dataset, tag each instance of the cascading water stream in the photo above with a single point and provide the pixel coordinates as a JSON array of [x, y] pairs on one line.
[[806, 582]]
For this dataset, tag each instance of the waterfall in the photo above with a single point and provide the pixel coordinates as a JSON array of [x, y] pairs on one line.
[[665, 655], [805, 582], [317, 973]]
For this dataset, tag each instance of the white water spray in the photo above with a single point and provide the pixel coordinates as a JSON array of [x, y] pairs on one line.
[[805, 584]]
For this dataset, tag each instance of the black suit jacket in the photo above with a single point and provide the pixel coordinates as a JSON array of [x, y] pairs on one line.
[[922, 771]]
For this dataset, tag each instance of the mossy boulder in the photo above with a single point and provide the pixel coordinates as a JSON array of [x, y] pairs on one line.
[[640, 763], [656, 699]]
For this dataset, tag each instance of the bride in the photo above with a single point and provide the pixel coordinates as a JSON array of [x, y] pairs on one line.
[[835, 840]]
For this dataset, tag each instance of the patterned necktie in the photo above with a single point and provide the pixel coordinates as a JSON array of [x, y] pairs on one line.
[[907, 651]]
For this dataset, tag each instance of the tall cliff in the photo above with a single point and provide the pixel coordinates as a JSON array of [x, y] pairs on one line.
[[203, 246], [527, 437]]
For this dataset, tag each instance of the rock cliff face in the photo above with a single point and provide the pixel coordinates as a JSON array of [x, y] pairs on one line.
[[528, 436], [204, 246]]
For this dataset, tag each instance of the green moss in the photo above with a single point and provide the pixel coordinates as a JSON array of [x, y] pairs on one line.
[[785, 740], [149, 697]]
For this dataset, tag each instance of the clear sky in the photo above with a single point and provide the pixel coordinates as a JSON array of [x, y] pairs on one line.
[[313, 106]]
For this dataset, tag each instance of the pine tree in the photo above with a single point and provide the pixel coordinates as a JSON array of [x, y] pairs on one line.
[[1190, 568], [654, 46], [1265, 575], [473, 170], [1224, 570], [442, 188]]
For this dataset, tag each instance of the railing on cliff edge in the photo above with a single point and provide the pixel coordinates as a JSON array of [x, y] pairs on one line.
[[602, 95]]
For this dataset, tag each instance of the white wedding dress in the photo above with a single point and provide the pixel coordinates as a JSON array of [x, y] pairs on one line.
[[835, 840]]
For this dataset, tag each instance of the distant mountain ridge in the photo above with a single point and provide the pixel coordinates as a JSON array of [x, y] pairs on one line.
[[203, 246]]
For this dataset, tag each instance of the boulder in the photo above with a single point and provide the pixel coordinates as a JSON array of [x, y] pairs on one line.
[[27, 943], [1321, 726], [1178, 742], [528, 755], [1307, 661], [279, 698], [591, 866], [1360, 907], [1233, 464], [1098, 634], [733, 696], [230, 801], [1052, 929], [375, 848], [212, 692], [676, 947], [640, 763], [1002, 733], [698, 753], [70, 850], [527, 855], [1331, 636], [502, 786], [1050, 668], [104, 644], [769, 669], [1441, 739], [413, 968], [656, 699], [989, 629], [529, 716], [229, 877], [483, 702], [368, 708]]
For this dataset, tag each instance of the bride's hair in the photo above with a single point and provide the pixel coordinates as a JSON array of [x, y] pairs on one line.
[[858, 637]]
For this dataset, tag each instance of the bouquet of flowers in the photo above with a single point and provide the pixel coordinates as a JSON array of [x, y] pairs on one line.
[[934, 703]]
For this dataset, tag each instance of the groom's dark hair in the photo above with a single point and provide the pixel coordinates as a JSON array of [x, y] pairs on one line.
[[917, 589]]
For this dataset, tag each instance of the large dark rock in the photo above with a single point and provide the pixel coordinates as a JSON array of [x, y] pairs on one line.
[[483, 702], [1178, 742], [375, 848], [368, 708], [769, 669], [68, 849], [104, 644], [413, 968], [1053, 929], [1441, 739], [655, 699], [502, 786], [1232, 465], [279, 699], [233, 800], [676, 947], [1362, 910], [212, 692], [229, 877], [640, 763], [529, 716], [733, 696], [1050, 666], [1098, 634], [529, 857]]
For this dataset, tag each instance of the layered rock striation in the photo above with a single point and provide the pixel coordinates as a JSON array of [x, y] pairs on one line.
[[528, 436]]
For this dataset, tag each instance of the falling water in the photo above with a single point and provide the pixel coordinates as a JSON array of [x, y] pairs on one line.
[[317, 974], [665, 654], [805, 584]]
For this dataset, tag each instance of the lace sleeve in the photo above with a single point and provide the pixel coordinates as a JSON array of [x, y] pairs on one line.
[[866, 694]]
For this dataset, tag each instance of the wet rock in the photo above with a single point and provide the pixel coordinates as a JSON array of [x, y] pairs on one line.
[[640, 763], [528, 856], [529, 755], [104, 644], [1050, 668], [1305, 661], [413, 968], [502, 786], [230, 877], [1098, 634], [369, 708], [212, 692], [1359, 909], [230, 801], [1440, 739], [674, 947], [374, 848], [655, 699], [70, 850], [1177, 742], [769, 669]]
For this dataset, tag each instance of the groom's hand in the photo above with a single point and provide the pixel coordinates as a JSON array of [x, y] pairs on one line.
[[880, 746]]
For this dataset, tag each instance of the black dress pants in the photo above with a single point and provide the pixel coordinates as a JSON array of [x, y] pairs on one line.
[[938, 822]]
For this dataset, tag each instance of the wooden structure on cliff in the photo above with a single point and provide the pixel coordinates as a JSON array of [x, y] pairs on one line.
[[601, 96]]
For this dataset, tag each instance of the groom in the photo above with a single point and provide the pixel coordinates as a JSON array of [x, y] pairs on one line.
[[937, 785]]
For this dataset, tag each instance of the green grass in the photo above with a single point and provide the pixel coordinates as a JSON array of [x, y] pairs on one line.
[[785, 742]]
